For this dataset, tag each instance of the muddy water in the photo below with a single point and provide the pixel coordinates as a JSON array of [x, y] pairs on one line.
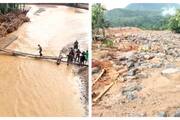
[[31, 87]]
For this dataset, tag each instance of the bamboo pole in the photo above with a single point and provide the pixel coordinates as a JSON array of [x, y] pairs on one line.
[[100, 75], [108, 87]]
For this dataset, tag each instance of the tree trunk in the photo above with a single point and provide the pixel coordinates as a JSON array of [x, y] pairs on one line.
[[104, 33]]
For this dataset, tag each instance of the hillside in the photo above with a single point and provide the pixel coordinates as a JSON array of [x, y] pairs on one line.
[[151, 6], [142, 15]]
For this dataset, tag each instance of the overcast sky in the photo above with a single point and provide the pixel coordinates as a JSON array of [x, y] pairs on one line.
[[111, 5]]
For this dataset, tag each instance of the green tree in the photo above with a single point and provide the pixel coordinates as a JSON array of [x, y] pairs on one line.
[[7, 7], [174, 22], [98, 19]]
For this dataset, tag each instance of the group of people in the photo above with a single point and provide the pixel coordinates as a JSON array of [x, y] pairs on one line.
[[75, 55]]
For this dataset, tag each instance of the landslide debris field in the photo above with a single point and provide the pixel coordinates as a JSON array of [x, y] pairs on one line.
[[137, 75], [11, 21]]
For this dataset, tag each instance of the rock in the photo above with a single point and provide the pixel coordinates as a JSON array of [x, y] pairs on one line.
[[177, 114], [162, 114], [148, 57], [158, 65], [137, 64], [142, 75], [170, 71], [132, 72], [95, 70], [130, 96], [130, 64], [131, 88], [99, 37], [130, 56]]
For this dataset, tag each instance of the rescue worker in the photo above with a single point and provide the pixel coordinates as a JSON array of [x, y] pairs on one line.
[[78, 52], [76, 44], [86, 55], [70, 56], [82, 58], [40, 50]]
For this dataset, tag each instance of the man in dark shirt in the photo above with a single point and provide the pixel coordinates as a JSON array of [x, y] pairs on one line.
[[40, 50]]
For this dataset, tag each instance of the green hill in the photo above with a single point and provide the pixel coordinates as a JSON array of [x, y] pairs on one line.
[[142, 15]]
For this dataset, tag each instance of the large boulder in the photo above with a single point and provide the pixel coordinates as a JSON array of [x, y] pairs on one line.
[[171, 73]]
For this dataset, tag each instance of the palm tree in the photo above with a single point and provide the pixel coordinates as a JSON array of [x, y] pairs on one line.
[[98, 20]]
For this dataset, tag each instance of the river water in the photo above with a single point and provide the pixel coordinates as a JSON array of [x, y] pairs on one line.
[[30, 87]]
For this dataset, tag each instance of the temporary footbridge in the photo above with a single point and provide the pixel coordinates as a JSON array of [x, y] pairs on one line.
[[58, 59]]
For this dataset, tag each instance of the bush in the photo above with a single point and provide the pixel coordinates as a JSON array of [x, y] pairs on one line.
[[108, 43], [174, 22]]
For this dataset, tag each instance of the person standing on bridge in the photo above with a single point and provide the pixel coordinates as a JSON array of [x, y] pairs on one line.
[[76, 44], [86, 55], [40, 50], [82, 58], [70, 56], [77, 58]]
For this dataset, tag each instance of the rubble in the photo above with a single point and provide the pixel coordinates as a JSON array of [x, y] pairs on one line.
[[148, 56]]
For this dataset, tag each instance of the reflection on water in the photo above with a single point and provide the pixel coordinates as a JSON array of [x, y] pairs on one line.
[[30, 87]]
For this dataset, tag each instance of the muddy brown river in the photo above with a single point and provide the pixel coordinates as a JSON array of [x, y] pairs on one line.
[[30, 87]]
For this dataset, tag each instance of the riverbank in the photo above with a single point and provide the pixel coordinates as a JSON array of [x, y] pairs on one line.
[[81, 77], [11, 21]]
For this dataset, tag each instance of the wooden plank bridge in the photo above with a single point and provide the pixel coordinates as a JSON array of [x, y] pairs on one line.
[[58, 59]]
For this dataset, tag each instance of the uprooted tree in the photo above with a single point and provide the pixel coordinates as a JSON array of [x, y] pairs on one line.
[[98, 20]]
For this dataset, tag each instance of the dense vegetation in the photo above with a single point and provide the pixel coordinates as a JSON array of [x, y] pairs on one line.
[[136, 18], [174, 22], [7, 7], [142, 15]]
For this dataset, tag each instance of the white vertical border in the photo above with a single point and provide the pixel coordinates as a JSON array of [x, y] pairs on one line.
[[90, 60]]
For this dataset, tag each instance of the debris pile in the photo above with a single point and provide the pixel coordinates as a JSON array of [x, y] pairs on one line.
[[11, 21], [136, 58]]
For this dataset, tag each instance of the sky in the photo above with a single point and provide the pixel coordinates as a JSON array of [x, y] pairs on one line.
[[109, 5], [123, 3]]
